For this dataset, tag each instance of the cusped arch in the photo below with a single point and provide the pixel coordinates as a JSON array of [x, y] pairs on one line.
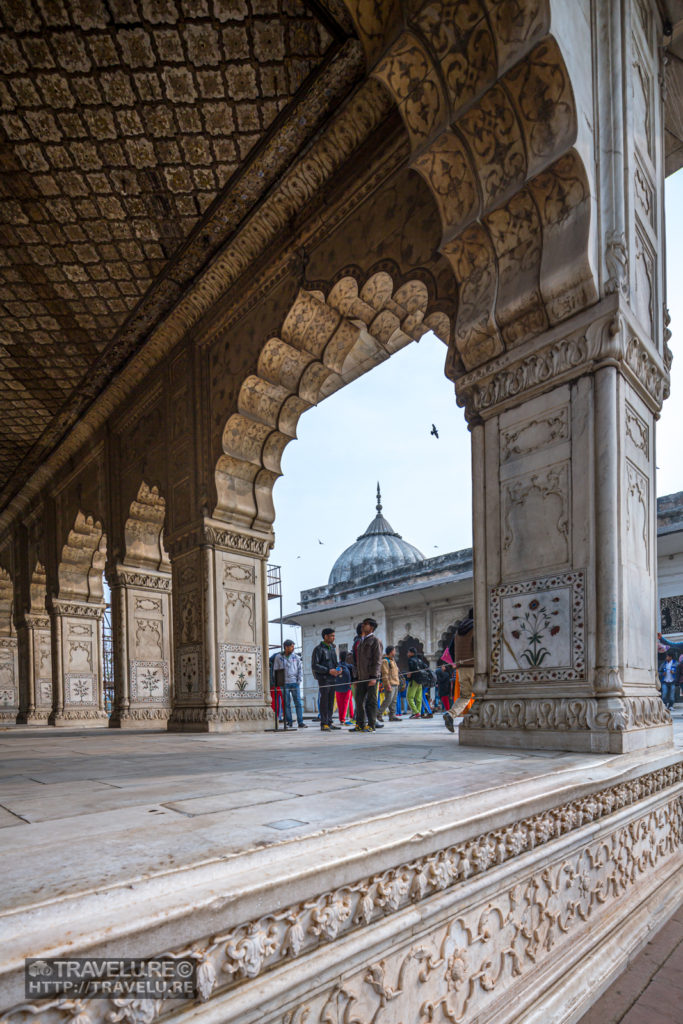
[[325, 342], [82, 560], [144, 529], [488, 105]]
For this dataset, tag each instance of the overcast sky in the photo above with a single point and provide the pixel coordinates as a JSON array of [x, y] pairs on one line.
[[378, 429]]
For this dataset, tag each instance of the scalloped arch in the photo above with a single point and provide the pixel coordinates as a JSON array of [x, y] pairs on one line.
[[82, 560], [324, 343]]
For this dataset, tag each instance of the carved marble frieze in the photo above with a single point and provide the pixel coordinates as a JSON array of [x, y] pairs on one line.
[[538, 629], [459, 962], [555, 357], [574, 714], [240, 671]]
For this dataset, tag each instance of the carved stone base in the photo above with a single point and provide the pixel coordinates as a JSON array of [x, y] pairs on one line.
[[84, 718], [249, 718], [610, 725], [8, 717], [139, 718], [39, 716]]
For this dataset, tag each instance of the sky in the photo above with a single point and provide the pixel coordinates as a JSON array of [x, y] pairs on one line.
[[377, 429]]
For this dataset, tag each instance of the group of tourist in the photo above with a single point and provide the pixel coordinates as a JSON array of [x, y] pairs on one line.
[[366, 684], [670, 671]]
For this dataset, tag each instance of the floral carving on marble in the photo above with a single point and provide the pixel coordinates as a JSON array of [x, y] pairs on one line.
[[538, 629]]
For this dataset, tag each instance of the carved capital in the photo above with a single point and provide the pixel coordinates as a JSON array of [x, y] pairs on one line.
[[123, 576], [605, 336], [75, 609]]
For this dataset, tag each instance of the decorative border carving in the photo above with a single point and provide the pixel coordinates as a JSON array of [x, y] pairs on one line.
[[574, 581], [230, 540], [567, 713], [637, 430], [251, 949], [76, 611], [556, 425]]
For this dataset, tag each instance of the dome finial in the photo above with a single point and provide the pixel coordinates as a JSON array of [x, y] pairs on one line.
[[379, 499]]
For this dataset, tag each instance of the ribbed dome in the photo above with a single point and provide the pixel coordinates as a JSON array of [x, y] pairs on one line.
[[379, 549]]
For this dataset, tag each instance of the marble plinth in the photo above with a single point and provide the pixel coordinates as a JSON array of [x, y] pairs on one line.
[[314, 876]]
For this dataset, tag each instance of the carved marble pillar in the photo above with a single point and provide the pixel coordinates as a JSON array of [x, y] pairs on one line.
[[78, 692], [565, 530], [9, 680], [141, 623], [220, 629], [35, 669]]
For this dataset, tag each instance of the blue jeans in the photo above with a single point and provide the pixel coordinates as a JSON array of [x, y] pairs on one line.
[[292, 690], [668, 694]]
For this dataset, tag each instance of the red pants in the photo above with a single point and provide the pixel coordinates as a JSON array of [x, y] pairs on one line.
[[344, 705], [446, 701], [276, 695]]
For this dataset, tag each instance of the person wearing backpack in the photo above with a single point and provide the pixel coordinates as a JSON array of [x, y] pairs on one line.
[[414, 674]]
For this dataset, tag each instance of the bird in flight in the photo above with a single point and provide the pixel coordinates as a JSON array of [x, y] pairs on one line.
[[434, 431], [319, 541]]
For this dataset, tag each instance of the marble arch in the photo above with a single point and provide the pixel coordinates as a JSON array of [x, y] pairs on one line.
[[325, 343], [175, 211], [450, 164]]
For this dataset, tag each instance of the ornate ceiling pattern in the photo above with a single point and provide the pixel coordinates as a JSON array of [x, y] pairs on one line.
[[121, 122]]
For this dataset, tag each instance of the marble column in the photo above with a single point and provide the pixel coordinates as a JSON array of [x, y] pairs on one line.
[[35, 669], [9, 680], [78, 693], [220, 629], [565, 531], [141, 623]]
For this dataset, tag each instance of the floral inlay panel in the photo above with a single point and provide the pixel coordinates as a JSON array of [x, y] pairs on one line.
[[240, 671], [538, 629]]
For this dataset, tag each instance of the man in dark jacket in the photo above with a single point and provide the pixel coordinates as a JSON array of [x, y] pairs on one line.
[[325, 668], [369, 669]]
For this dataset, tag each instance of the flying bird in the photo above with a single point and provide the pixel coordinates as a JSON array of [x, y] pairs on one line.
[[319, 541], [434, 431]]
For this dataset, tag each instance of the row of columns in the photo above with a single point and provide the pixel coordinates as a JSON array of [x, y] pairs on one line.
[[188, 644]]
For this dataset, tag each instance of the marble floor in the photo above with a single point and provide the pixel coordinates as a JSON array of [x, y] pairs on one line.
[[153, 801], [91, 819]]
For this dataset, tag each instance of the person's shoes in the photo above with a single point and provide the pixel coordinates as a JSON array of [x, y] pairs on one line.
[[356, 728], [325, 728], [302, 725], [394, 718], [448, 721], [414, 715], [337, 727], [426, 716], [316, 719], [379, 718], [367, 728]]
